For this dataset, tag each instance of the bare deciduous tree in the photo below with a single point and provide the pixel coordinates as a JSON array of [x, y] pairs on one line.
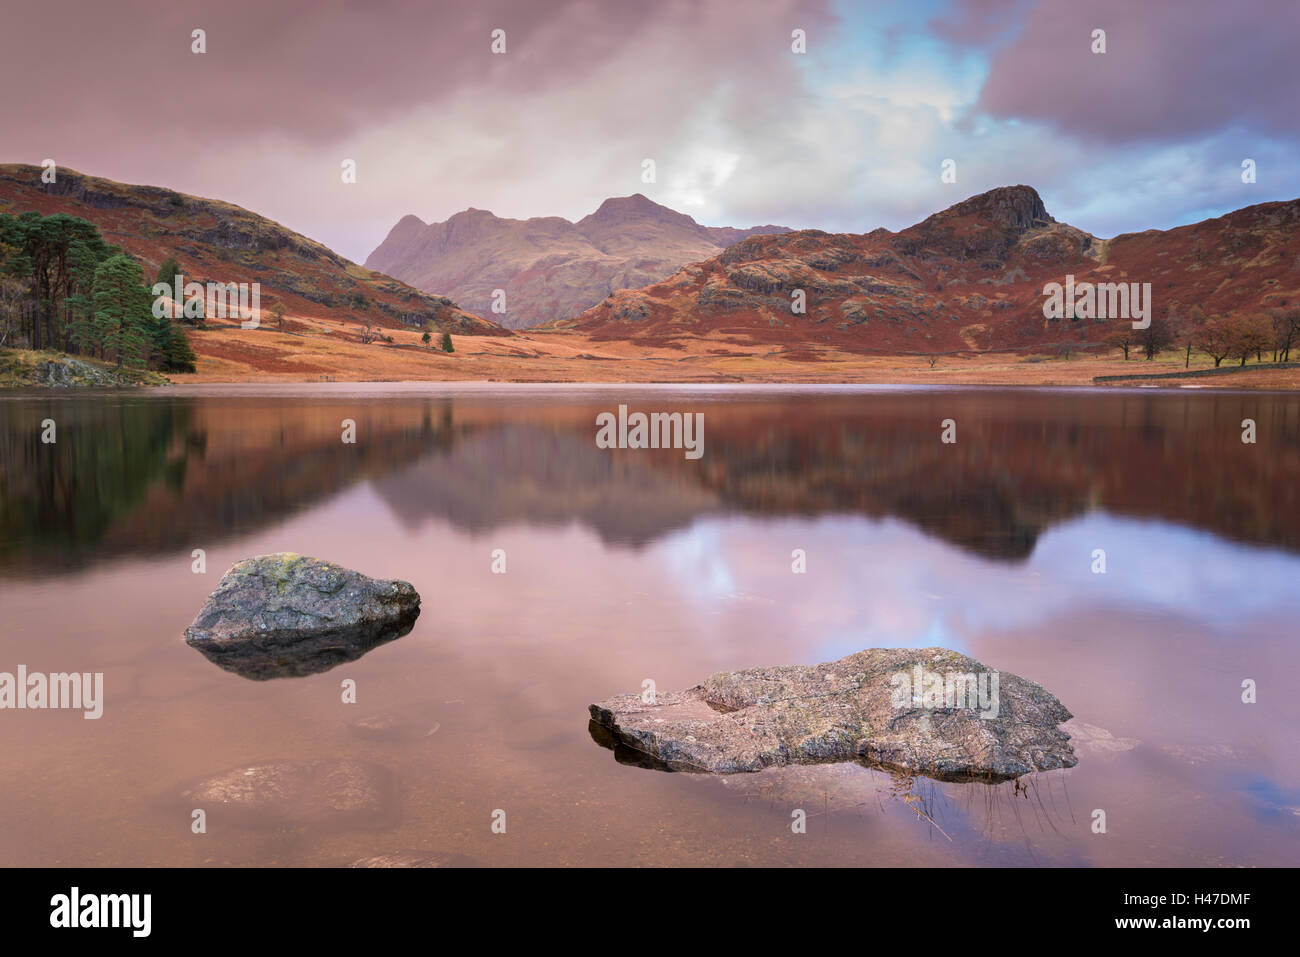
[[1252, 336], [1121, 337], [1216, 337], [1286, 330]]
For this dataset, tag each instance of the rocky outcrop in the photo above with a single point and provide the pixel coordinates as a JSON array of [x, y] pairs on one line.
[[287, 615], [1018, 208], [74, 373], [928, 711], [25, 369]]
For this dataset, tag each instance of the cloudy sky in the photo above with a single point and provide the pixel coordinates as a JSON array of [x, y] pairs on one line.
[[848, 136]]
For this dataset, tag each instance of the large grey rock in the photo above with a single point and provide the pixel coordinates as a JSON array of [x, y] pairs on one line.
[[844, 710], [337, 794], [287, 615]]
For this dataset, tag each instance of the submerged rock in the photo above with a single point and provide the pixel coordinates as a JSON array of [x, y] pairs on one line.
[[287, 615], [415, 859], [1091, 739], [926, 711], [334, 794]]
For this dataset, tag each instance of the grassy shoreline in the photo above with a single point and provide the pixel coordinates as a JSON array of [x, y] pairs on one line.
[[547, 359]]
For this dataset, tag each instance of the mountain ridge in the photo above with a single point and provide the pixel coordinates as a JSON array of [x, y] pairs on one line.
[[548, 267], [966, 278]]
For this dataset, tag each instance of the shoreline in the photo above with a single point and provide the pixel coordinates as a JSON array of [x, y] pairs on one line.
[[555, 361]]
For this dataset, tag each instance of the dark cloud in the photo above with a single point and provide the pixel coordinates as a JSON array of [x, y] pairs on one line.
[[1171, 69], [286, 90], [314, 71], [848, 137]]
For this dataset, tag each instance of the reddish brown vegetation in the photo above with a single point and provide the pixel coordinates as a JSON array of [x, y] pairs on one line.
[[970, 277], [220, 242]]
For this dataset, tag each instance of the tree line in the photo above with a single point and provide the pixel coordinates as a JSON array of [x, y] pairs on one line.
[[63, 287], [1274, 333]]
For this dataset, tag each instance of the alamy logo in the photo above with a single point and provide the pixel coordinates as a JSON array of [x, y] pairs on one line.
[[655, 430], [75, 909], [933, 690], [1103, 300], [242, 299], [36, 691]]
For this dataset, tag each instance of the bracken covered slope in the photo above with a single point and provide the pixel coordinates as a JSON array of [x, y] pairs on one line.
[[219, 242], [969, 278]]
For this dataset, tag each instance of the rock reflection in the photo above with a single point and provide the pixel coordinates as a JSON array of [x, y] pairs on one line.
[[309, 656]]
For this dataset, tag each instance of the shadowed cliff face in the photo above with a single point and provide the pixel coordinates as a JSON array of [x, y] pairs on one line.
[[131, 474]]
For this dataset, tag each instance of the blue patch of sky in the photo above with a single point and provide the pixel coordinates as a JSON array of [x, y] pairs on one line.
[[890, 42], [1271, 800], [892, 51], [904, 588]]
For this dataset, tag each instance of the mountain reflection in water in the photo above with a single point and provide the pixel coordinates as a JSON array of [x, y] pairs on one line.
[[632, 565], [153, 473]]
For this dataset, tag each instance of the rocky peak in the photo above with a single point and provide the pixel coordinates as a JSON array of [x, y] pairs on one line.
[[986, 226], [1011, 207], [468, 225], [622, 209]]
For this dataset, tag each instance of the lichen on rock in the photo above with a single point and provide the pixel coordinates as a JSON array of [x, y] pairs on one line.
[[288, 615], [847, 710]]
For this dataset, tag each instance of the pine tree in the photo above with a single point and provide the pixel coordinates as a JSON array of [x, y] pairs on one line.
[[55, 257], [446, 342], [123, 310], [168, 271], [180, 357], [85, 336], [158, 331]]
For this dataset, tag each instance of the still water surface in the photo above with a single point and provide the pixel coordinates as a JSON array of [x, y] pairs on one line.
[[628, 565]]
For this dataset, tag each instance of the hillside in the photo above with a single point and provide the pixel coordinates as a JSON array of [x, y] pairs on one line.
[[969, 278], [549, 267], [219, 242]]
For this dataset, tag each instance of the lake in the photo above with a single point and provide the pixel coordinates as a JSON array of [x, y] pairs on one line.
[[623, 565]]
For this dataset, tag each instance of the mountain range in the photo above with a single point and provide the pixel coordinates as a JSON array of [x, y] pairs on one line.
[[969, 278], [548, 267]]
